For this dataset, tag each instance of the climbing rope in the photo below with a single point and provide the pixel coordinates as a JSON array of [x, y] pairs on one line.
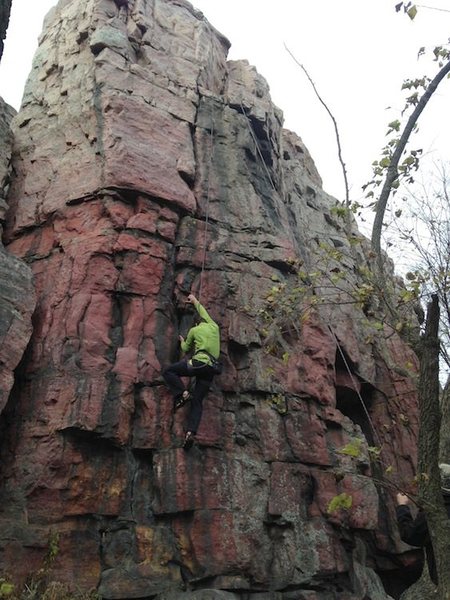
[[208, 190], [341, 352], [252, 133], [355, 386], [338, 345]]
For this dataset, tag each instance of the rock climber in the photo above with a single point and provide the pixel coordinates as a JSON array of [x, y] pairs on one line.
[[203, 340], [414, 531]]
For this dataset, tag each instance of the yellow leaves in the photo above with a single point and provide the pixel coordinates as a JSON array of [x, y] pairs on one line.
[[339, 211], [353, 448], [421, 477], [354, 240], [408, 8], [408, 296], [341, 501], [364, 292], [374, 451], [404, 419], [279, 403], [409, 160], [412, 12], [6, 589], [399, 327]]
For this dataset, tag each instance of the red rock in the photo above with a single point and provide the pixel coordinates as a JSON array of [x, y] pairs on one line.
[[136, 181], [290, 487], [138, 165], [17, 295]]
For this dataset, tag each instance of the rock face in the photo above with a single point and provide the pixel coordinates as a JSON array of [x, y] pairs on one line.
[[5, 10], [17, 299], [147, 166]]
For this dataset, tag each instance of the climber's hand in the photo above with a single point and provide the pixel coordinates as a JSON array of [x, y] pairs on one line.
[[402, 499]]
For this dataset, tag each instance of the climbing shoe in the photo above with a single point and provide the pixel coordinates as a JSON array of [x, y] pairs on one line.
[[189, 440]]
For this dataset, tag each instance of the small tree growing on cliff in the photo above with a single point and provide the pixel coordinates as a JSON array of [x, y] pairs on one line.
[[421, 221], [428, 469], [389, 172], [428, 347]]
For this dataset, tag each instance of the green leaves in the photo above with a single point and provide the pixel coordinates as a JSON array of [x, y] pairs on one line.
[[409, 9], [6, 589], [341, 501], [374, 451], [353, 448], [279, 403], [412, 12], [419, 82], [340, 211], [394, 126]]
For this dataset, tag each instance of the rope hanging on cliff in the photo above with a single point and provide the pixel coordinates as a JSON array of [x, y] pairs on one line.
[[205, 232], [250, 128], [341, 352], [347, 366]]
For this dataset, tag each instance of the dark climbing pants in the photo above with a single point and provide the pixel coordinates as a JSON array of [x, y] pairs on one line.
[[203, 374]]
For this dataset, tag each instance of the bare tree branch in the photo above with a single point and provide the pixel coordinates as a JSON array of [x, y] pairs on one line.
[[392, 171], [338, 140]]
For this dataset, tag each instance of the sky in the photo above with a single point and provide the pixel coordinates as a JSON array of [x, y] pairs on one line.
[[358, 52]]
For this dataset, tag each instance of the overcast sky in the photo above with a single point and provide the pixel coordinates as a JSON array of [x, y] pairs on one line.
[[357, 52]]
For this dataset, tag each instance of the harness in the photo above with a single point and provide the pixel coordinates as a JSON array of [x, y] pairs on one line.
[[215, 363]]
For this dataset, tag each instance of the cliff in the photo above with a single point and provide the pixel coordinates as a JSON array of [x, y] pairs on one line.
[[17, 297], [147, 166]]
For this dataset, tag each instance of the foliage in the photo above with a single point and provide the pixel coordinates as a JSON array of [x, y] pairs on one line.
[[40, 585], [408, 7], [290, 302], [34, 590], [353, 448], [421, 232], [398, 166], [6, 589], [279, 403], [394, 167], [341, 501]]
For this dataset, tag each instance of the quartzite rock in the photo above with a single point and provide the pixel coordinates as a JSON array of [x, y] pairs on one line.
[[133, 130], [5, 10], [17, 298]]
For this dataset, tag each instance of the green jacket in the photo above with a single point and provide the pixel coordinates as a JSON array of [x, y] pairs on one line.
[[204, 336]]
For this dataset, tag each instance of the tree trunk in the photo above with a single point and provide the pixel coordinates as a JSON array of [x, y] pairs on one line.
[[428, 468], [445, 424], [392, 172]]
